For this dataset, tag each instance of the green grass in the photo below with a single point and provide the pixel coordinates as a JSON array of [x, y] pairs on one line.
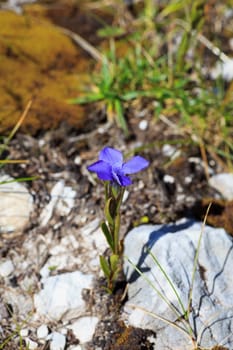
[[151, 68]]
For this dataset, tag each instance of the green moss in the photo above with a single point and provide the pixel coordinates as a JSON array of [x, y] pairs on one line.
[[38, 63]]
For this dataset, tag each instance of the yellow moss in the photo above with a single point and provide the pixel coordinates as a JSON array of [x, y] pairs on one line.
[[38, 62]]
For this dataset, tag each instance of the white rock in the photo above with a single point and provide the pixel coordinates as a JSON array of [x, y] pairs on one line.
[[75, 347], [15, 5], [31, 345], [224, 69], [125, 196], [42, 331], [223, 183], [24, 332], [175, 247], [47, 212], [16, 204], [61, 297], [143, 125], [66, 201], [170, 151], [58, 341], [84, 328], [6, 268], [169, 179]]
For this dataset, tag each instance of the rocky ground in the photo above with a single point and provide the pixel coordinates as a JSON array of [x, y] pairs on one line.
[[51, 286], [61, 237]]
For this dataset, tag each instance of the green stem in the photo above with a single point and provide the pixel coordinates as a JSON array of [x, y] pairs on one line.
[[117, 221]]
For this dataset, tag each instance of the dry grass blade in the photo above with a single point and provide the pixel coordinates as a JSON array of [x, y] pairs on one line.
[[16, 127], [165, 320], [84, 44]]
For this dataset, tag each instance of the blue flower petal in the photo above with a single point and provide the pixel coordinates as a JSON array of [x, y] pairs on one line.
[[111, 156], [134, 165], [121, 179], [102, 169]]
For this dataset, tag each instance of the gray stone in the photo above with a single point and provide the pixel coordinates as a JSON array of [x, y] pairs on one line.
[[58, 341], [61, 297], [42, 331], [84, 328], [223, 183], [6, 268], [16, 204], [31, 345], [175, 246]]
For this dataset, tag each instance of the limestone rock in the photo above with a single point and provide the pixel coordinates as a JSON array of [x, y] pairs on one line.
[[42, 331], [16, 204], [61, 297], [58, 341], [84, 328], [6, 268], [175, 246], [223, 183]]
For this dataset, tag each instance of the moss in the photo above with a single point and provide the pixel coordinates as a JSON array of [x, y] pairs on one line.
[[38, 63]]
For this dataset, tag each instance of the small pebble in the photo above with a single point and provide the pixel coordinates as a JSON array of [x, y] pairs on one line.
[[31, 345], [84, 328], [143, 125], [169, 179], [6, 268], [24, 332], [58, 341], [125, 196], [188, 180], [42, 331]]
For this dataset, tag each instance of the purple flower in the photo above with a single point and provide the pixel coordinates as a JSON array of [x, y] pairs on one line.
[[110, 166]]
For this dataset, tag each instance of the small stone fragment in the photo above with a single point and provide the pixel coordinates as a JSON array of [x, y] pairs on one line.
[[16, 204], [58, 341], [31, 345], [143, 125], [42, 331], [6, 268], [24, 332], [223, 183], [61, 296], [84, 328]]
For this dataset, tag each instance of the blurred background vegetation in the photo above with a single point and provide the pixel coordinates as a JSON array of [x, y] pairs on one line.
[[171, 59]]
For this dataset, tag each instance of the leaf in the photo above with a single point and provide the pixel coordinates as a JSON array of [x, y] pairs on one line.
[[120, 116], [114, 262], [107, 235], [105, 267], [109, 31], [109, 211], [92, 97], [173, 7]]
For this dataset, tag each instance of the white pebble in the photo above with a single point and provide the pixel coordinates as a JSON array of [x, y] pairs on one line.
[[58, 341], [24, 332], [75, 347], [223, 183], [125, 196], [169, 179], [188, 180], [31, 345], [6, 268], [42, 331], [143, 125], [84, 328]]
